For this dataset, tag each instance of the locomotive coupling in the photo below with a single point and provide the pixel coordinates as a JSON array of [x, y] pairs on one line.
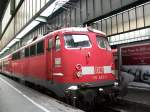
[[71, 90]]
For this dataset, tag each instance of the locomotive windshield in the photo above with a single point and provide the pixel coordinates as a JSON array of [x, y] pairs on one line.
[[102, 42], [77, 41]]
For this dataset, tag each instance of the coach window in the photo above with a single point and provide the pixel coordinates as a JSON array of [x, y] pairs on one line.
[[18, 55], [33, 50], [14, 56], [22, 53], [40, 47], [27, 52], [57, 43]]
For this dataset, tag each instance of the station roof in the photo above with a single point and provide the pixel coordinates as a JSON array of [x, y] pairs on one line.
[[3, 4]]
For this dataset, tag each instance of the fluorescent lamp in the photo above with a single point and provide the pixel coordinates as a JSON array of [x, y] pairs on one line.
[[53, 7], [27, 29], [1, 52], [47, 12], [11, 43], [21, 34], [5, 49], [41, 19]]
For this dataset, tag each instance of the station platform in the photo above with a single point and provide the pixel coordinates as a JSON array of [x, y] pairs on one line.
[[15, 97], [138, 96]]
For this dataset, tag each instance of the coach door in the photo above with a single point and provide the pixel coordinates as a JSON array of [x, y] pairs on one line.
[[57, 70], [54, 57], [50, 58]]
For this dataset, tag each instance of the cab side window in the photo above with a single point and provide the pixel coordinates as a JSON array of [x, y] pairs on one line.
[[102, 43], [57, 43], [50, 44]]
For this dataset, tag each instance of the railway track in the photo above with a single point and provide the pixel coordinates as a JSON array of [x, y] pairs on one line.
[[109, 109], [122, 105]]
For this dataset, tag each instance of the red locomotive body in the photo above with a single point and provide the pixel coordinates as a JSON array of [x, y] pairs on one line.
[[67, 59]]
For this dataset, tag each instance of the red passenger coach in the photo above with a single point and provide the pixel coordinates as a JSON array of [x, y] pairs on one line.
[[69, 59]]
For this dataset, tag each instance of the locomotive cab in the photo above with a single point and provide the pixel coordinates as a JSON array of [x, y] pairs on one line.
[[87, 58], [82, 61]]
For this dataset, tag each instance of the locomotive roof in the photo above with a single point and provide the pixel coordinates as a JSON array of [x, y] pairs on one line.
[[70, 29], [80, 29], [63, 30]]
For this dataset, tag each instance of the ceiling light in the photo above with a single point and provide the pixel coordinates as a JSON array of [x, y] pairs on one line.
[[11, 43], [41, 19], [27, 29]]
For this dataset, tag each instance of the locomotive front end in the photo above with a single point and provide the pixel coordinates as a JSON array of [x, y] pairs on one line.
[[88, 65]]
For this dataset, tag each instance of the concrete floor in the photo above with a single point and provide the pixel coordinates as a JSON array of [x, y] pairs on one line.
[[138, 96], [15, 97]]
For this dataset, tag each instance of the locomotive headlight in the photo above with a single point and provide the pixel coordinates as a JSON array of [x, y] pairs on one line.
[[101, 89], [73, 88], [116, 84]]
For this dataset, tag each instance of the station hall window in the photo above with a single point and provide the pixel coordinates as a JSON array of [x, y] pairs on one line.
[[140, 16], [147, 14], [14, 56], [40, 47]]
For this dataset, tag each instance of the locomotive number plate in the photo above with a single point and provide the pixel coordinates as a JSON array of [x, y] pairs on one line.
[[99, 70], [103, 70], [91, 70]]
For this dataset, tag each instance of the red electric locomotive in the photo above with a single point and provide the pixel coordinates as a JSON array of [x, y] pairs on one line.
[[76, 63]]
